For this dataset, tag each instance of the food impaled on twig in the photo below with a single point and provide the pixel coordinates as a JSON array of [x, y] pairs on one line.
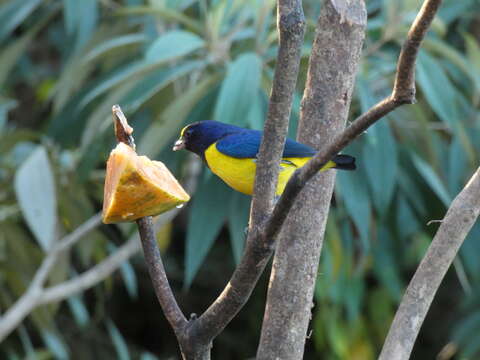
[[136, 186]]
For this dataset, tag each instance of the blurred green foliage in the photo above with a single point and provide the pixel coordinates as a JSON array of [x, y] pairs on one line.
[[63, 64]]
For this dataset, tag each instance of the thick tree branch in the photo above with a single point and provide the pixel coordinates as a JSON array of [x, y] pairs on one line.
[[331, 75], [195, 336], [460, 217], [291, 27], [262, 233]]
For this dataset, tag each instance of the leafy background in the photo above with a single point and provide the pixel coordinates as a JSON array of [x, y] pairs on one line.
[[170, 62]]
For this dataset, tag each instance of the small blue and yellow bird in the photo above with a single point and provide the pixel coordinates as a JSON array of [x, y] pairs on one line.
[[231, 153]]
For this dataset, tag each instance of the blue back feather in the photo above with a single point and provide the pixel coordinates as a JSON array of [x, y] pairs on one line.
[[246, 144]]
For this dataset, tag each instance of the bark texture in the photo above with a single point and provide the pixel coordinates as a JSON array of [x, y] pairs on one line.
[[456, 224], [291, 29], [330, 81]]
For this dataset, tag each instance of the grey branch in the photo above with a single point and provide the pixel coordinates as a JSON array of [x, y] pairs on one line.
[[37, 295], [291, 27], [92, 276], [29, 300], [331, 74], [403, 93], [195, 337], [460, 217]]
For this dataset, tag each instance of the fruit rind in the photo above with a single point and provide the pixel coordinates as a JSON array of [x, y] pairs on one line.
[[136, 186]]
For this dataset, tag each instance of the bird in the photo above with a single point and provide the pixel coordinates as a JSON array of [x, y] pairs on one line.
[[231, 153]]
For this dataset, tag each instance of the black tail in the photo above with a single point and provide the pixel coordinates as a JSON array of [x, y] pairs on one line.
[[344, 162]]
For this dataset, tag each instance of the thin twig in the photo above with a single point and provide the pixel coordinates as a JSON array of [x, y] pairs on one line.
[[92, 276], [62, 246], [29, 300], [460, 217], [174, 315], [157, 274], [102, 270]]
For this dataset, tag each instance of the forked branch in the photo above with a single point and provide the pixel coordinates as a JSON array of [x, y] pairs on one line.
[[195, 335], [403, 93]]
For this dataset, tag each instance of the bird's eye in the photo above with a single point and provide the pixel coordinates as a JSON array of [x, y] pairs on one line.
[[188, 132]]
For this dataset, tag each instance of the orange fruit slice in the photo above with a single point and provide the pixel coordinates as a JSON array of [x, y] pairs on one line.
[[136, 186]]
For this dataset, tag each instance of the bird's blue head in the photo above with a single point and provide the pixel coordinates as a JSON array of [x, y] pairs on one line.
[[197, 137]]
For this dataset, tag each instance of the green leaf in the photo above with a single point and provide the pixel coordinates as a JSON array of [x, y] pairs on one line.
[[258, 111], [128, 275], [353, 189], [151, 84], [238, 216], [35, 191], [470, 250], [80, 19], [118, 341], [134, 95], [11, 53], [26, 342], [55, 345], [438, 89], [165, 14], [466, 334], [411, 192], [239, 90], [385, 265], [457, 166], [120, 75], [148, 356], [173, 45], [78, 309], [432, 179], [455, 57], [207, 215], [473, 51], [129, 279], [13, 13], [364, 93], [407, 223], [113, 44], [353, 295], [380, 162], [100, 118], [5, 106]]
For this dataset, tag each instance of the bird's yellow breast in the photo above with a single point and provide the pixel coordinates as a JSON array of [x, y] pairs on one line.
[[240, 173]]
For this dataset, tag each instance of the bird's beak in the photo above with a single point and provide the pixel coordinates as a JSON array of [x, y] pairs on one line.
[[179, 144]]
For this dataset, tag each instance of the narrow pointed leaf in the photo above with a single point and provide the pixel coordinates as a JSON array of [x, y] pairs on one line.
[[239, 90], [207, 215], [35, 190], [172, 45]]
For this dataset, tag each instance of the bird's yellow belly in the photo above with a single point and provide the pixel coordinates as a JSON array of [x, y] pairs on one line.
[[240, 173]]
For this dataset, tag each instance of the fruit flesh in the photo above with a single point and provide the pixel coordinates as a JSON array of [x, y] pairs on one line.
[[136, 186]]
